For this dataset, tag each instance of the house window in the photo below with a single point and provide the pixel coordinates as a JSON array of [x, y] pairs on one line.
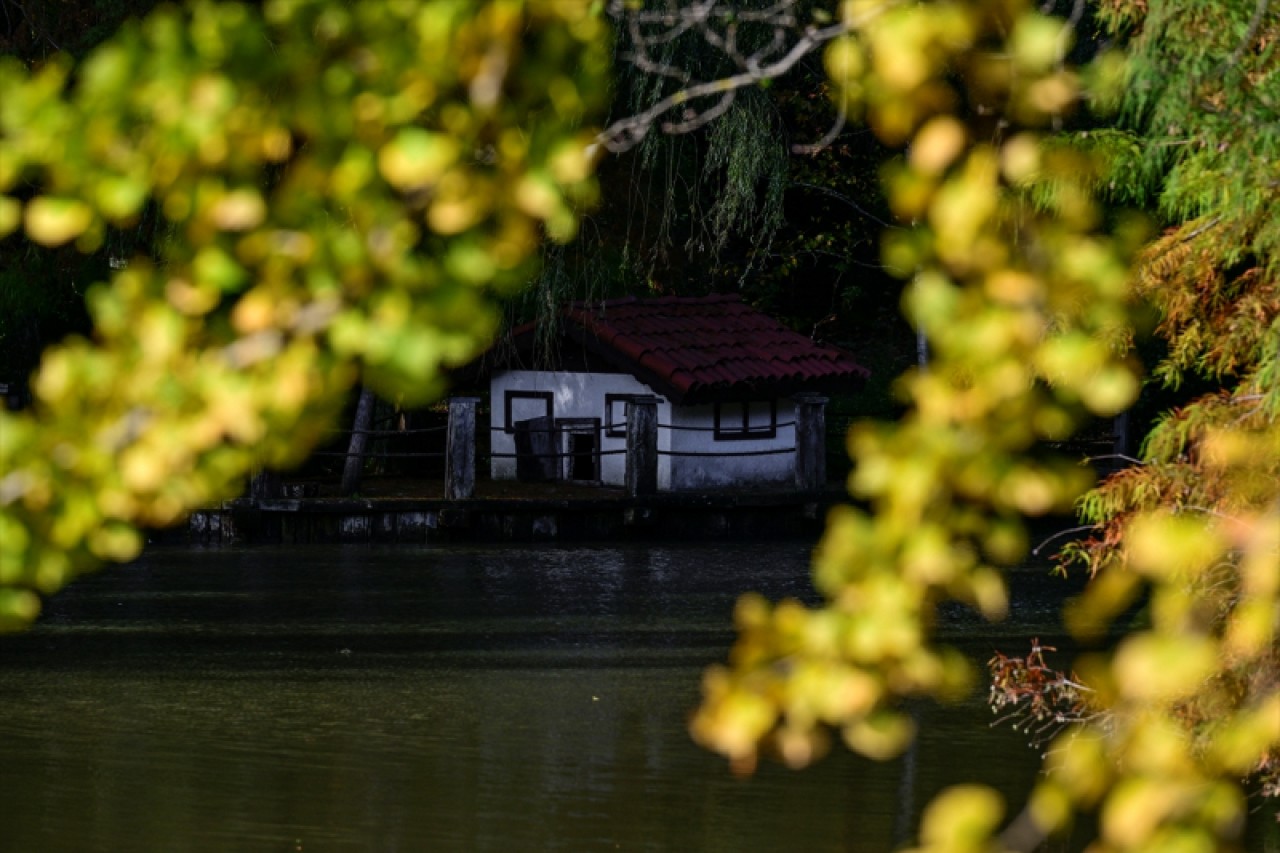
[[523, 405], [738, 421], [615, 414]]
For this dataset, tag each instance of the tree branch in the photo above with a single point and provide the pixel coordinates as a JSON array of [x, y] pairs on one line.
[[1035, 552], [844, 199], [719, 26], [829, 137]]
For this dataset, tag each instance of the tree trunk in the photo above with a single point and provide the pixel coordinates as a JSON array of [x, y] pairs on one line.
[[355, 450]]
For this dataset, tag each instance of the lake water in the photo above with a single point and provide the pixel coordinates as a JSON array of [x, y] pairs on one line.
[[441, 698]]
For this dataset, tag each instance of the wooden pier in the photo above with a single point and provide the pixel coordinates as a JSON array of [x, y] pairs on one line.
[[417, 512]]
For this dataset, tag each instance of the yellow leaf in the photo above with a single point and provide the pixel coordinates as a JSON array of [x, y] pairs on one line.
[[239, 210], [120, 198], [1079, 763], [416, 158], [10, 215], [1039, 42], [881, 736], [276, 144], [897, 49], [937, 145], [1032, 491], [962, 818], [115, 541], [1157, 747], [537, 196], [1136, 808], [987, 586], [1050, 807], [1239, 746], [54, 221], [1151, 667], [142, 469], [734, 725], [18, 608], [571, 161], [1163, 545], [1251, 628], [1110, 391], [1053, 94], [845, 60], [214, 266], [1020, 158]]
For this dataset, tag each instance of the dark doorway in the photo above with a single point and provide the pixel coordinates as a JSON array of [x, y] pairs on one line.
[[581, 448], [582, 456]]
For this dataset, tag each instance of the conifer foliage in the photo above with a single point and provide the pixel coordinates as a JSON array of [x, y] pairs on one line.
[[1202, 95]]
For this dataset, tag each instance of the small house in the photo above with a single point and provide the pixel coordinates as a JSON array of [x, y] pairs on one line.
[[727, 380]]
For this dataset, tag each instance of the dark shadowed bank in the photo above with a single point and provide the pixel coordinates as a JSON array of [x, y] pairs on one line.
[[415, 512]]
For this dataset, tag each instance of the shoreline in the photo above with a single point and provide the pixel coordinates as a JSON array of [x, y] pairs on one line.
[[512, 513]]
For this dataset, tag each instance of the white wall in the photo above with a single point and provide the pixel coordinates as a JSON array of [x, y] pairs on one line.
[[697, 472], [574, 395], [582, 395]]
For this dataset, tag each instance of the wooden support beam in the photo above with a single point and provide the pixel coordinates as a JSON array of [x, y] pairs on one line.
[[460, 457], [642, 446], [811, 442]]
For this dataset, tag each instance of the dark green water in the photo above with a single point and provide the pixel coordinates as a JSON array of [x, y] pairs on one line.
[[440, 698]]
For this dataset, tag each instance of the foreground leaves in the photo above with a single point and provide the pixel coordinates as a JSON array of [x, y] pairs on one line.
[[1023, 286], [342, 188]]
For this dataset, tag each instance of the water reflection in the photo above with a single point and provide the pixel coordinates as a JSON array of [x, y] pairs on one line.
[[461, 698]]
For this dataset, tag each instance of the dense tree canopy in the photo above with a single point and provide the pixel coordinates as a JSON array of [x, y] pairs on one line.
[[336, 187]]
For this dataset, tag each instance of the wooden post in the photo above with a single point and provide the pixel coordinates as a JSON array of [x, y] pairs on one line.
[[1120, 436], [264, 485], [261, 526], [642, 446], [354, 465], [811, 442], [460, 456]]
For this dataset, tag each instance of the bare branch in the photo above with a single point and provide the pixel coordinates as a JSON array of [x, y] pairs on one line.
[[675, 15], [1123, 457], [720, 26], [625, 133], [1035, 552], [693, 120], [844, 199], [827, 138]]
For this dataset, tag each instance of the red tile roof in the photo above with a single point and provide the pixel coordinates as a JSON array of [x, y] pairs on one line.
[[695, 350]]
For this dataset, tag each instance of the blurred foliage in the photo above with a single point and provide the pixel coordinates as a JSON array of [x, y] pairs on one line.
[[1026, 287], [42, 289], [343, 189], [347, 189]]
